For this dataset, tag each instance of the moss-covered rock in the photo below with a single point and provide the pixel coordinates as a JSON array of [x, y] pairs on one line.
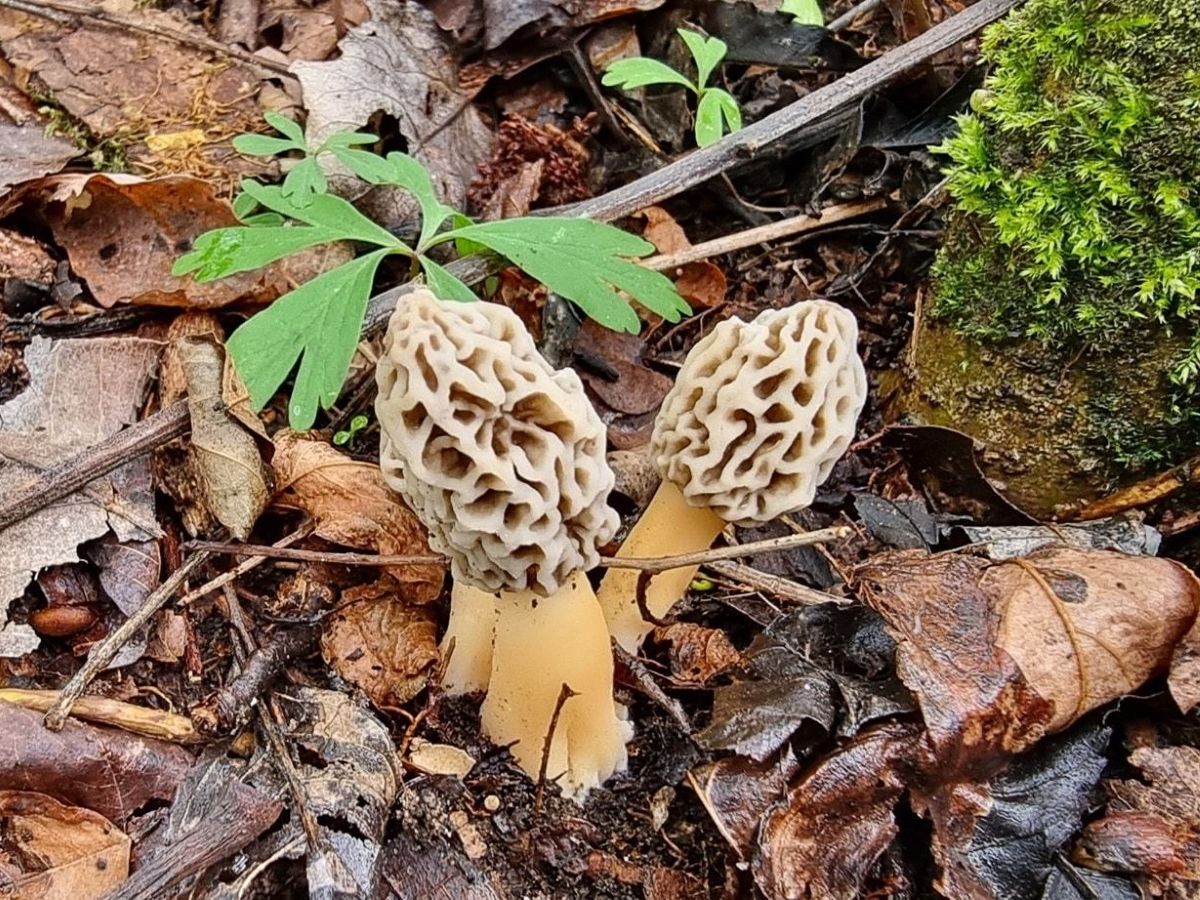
[[1063, 327]]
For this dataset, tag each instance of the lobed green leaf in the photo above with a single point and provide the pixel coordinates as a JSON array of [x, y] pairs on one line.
[[706, 51], [640, 71]]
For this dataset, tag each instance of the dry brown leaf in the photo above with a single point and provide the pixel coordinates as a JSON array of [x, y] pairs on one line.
[[225, 454], [352, 506], [80, 391], [129, 86], [663, 231], [1152, 827], [698, 654], [440, 759], [1089, 626], [111, 772], [636, 389], [123, 235], [702, 284], [1184, 679], [27, 152], [309, 31], [381, 644], [57, 850], [129, 571], [399, 63], [813, 846], [504, 18]]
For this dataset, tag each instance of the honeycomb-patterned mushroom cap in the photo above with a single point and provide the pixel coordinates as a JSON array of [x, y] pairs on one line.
[[501, 456], [761, 411]]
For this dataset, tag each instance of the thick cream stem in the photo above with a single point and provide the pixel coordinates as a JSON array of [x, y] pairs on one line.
[[472, 626], [541, 644], [668, 527]]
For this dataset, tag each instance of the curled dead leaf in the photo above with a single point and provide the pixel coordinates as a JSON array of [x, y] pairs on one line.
[[352, 506], [57, 850], [380, 644], [225, 454], [698, 654]]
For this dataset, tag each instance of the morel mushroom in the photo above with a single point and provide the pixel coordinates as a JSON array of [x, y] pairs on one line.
[[757, 417], [502, 458]]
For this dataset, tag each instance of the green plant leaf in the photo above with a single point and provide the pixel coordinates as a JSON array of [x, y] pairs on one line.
[[708, 120], [347, 139], [227, 251], [444, 284], [804, 12], [584, 261], [263, 145], [730, 111], [244, 205], [706, 51], [370, 167], [640, 71], [287, 127], [409, 174], [304, 181], [318, 325], [325, 211]]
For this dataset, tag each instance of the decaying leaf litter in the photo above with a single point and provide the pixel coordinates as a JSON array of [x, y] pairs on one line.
[[943, 693]]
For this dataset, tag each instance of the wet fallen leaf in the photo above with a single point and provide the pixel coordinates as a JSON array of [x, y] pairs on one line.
[[351, 505], [128, 85], [738, 792], [1128, 535], [225, 453], [350, 772], [129, 571], [755, 718], [900, 524], [1151, 828], [611, 368], [55, 417], [111, 772], [381, 644], [504, 18], [49, 850], [810, 846], [1001, 838], [399, 63], [697, 654], [702, 284]]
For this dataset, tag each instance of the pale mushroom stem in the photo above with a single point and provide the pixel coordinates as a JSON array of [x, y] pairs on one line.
[[541, 644], [669, 526], [472, 630]]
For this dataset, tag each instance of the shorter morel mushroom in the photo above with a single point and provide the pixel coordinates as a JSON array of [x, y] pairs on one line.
[[758, 415], [502, 458]]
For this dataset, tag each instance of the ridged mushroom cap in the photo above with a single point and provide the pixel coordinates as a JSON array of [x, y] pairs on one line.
[[501, 456], [762, 410]]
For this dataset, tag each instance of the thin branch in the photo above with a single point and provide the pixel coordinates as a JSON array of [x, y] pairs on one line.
[[55, 10], [104, 652], [846, 19], [762, 234], [703, 557], [301, 532], [775, 585], [564, 694], [648, 564], [95, 462], [648, 686]]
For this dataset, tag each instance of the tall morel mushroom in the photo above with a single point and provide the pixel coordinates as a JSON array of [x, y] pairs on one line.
[[502, 458], [757, 417]]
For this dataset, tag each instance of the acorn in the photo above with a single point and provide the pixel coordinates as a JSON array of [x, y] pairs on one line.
[[62, 621]]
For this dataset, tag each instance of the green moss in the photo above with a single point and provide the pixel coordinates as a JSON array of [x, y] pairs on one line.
[[1080, 165], [1077, 184]]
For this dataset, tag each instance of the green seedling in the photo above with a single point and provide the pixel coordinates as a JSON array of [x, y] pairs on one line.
[[347, 436], [717, 112], [315, 328], [803, 12]]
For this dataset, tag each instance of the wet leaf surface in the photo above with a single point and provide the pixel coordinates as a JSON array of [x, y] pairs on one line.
[[737, 793], [110, 772]]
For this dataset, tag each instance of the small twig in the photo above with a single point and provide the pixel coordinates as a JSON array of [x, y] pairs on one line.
[[643, 601], [95, 462], [302, 531], [741, 239], [106, 711], [53, 10], [648, 686], [104, 652], [334, 557], [564, 694], [663, 563], [846, 19], [229, 708], [775, 585]]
